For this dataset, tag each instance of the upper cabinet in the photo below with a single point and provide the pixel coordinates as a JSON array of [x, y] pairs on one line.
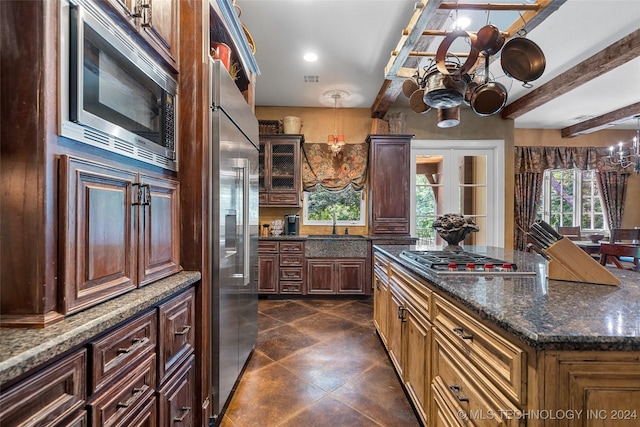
[[156, 21], [280, 170], [389, 165]]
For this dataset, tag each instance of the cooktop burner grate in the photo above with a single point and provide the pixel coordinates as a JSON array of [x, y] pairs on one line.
[[449, 262]]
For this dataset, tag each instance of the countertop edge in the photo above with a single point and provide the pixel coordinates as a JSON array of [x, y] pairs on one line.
[[25, 349]]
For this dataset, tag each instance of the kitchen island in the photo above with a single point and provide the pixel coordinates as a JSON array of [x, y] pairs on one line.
[[510, 350]]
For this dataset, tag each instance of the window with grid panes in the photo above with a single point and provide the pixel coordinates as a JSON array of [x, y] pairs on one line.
[[570, 198]]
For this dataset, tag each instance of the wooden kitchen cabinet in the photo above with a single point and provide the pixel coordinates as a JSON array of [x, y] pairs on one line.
[[159, 236], [49, 397], [605, 386], [389, 198], [119, 230], [281, 267], [339, 276], [381, 296], [155, 21], [176, 333], [280, 170], [176, 397]]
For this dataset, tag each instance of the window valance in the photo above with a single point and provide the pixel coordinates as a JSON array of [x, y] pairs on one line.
[[538, 159], [320, 167]]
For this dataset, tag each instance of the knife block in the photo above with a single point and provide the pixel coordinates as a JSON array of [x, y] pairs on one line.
[[569, 262]]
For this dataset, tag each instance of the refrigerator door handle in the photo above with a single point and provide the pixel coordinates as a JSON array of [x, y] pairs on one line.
[[242, 165]]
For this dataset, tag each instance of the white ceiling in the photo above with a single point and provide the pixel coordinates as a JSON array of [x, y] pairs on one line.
[[354, 39]]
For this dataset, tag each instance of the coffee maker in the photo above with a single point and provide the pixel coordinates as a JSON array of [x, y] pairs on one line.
[[291, 225]]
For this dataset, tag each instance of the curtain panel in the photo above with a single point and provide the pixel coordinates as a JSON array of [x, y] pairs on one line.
[[334, 173], [530, 164]]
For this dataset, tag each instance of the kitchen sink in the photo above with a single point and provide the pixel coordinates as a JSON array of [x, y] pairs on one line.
[[335, 236]]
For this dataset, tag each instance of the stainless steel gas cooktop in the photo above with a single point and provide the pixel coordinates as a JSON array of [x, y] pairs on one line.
[[462, 263]]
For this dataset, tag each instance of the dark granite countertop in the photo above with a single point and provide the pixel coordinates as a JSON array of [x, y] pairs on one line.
[[336, 236], [546, 314], [23, 349]]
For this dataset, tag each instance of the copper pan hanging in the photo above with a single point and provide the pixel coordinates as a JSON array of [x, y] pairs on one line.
[[523, 60]]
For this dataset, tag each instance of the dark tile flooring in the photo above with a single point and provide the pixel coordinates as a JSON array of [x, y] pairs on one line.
[[318, 363]]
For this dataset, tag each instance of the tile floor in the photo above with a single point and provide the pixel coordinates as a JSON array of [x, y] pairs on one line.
[[318, 363]]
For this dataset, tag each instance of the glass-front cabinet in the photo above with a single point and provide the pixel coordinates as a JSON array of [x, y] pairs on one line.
[[280, 170]]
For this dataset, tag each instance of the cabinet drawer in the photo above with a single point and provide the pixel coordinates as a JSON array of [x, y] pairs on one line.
[[290, 287], [119, 350], [48, 396], [146, 416], [268, 246], [176, 333], [176, 397], [458, 389], [126, 397], [263, 198], [503, 363], [416, 293], [288, 247], [381, 265], [291, 260], [288, 199], [290, 273]]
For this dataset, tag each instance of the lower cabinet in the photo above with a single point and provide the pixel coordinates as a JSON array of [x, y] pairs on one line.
[[460, 370], [339, 276], [54, 396], [281, 267], [176, 397], [140, 373]]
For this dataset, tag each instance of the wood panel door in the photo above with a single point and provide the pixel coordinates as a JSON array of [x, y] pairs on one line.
[[351, 276], [159, 231], [160, 24], [268, 273], [395, 320], [417, 378], [320, 276], [389, 160], [98, 244]]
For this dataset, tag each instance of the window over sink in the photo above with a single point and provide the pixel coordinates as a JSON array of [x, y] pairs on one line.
[[348, 205]]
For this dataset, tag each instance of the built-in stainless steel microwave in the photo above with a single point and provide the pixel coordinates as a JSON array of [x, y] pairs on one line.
[[118, 97]]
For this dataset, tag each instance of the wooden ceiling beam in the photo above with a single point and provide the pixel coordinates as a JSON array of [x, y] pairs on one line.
[[489, 6], [618, 53], [601, 122]]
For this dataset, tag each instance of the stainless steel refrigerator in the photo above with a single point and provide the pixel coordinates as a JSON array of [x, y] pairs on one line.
[[233, 233]]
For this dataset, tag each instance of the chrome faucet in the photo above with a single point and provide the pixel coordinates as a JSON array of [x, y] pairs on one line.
[[334, 223]]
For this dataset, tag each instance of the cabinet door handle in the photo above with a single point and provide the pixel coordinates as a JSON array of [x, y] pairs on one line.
[[401, 311], [184, 330], [378, 284], [135, 343], [456, 392], [134, 395], [460, 332], [185, 412]]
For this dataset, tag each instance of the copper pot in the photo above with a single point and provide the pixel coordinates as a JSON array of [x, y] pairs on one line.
[[489, 40], [448, 117], [441, 54], [444, 91], [522, 60], [490, 97], [416, 102], [409, 86]]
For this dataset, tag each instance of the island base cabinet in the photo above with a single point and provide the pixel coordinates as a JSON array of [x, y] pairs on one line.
[[465, 396], [380, 305], [604, 388]]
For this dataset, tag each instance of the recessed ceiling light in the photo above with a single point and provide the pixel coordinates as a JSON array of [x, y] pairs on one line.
[[310, 57]]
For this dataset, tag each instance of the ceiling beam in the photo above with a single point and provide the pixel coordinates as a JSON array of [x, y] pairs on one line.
[[489, 6], [619, 53], [601, 122]]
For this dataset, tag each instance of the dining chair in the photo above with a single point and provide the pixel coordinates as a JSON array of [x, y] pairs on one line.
[[631, 235], [614, 251], [573, 233]]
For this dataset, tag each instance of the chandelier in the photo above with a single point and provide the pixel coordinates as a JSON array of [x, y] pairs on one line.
[[336, 141], [627, 156]]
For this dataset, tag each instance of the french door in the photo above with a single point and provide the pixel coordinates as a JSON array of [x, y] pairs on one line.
[[465, 177]]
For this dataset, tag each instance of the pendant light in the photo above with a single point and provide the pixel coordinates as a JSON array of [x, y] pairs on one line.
[[336, 141]]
